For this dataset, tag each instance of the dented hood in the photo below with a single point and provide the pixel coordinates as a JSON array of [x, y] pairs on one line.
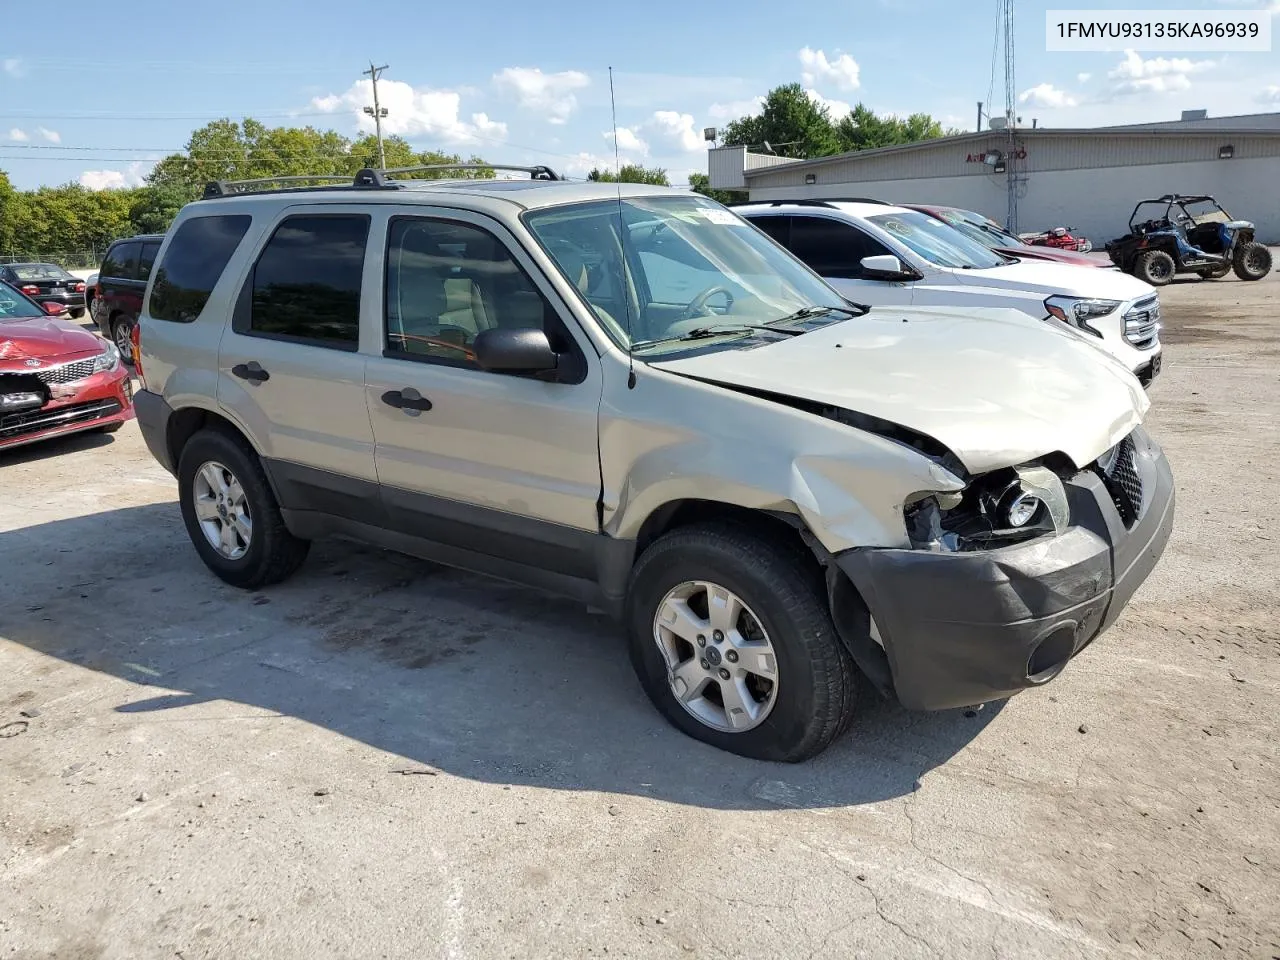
[[43, 338], [997, 388]]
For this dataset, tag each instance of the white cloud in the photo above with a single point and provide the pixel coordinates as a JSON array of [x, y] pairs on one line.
[[53, 136], [835, 108], [816, 68], [1269, 95], [412, 112], [735, 109], [132, 176], [14, 67], [550, 94], [1083, 77], [1157, 75], [678, 128], [628, 139], [19, 135], [1046, 95]]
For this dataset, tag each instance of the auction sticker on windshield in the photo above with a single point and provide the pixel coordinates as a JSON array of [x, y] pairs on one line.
[[722, 217]]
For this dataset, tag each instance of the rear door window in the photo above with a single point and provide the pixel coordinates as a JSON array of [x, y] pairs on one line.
[[307, 281], [195, 259], [147, 259], [121, 262], [777, 227]]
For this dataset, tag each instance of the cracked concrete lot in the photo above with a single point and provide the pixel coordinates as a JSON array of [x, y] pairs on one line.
[[382, 758]]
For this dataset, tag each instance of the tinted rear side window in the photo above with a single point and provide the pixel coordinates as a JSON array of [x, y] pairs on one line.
[[306, 283], [121, 262], [197, 255], [147, 260], [832, 248]]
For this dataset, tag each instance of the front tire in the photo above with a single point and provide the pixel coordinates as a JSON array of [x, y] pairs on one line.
[[77, 313], [231, 514], [1156, 267], [739, 625], [1252, 261]]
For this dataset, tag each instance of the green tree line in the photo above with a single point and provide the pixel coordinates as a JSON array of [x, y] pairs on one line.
[[72, 222]]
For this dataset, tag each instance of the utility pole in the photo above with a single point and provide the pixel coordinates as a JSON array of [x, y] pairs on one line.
[[377, 111]]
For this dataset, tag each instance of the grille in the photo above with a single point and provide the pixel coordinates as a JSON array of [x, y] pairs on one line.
[[34, 421], [1124, 483], [1142, 322], [67, 372]]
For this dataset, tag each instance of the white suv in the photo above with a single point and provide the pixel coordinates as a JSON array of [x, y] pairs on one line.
[[628, 395], [890, 256]]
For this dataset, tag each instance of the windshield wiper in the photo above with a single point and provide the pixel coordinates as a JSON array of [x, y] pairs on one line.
[[715, 330], [805, 313]]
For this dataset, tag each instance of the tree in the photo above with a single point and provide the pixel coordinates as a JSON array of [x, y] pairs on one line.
[[862, 129], [154, 208], [797, 126], [789, 116], [631, 173], [701, 183]]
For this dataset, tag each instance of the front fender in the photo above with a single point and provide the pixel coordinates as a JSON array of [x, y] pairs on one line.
[[673, 438]]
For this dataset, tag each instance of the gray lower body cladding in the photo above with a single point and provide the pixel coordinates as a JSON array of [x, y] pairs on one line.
[[966, 628]]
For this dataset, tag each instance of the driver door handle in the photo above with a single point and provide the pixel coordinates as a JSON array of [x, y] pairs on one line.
[[409, 400]]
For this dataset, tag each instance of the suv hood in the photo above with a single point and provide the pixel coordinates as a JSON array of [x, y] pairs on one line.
[[43, 338], [997, 388], [1047, 278]]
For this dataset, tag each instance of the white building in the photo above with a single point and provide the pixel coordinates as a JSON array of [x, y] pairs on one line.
[[1088, 179]]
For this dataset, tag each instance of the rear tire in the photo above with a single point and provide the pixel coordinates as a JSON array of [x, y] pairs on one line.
[[810, 701], [1252, 261], [1156, 267], [271, 553], [121, 329]]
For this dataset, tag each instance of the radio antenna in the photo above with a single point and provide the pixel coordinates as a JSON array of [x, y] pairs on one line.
[[622, 237]]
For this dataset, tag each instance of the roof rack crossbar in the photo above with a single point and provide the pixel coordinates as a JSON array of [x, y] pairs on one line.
[[371, 176], [810, 202]]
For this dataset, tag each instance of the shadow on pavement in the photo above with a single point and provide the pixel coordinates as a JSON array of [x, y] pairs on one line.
[[468, 675], [56, 447]]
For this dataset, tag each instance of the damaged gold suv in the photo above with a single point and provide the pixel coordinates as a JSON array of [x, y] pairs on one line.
[[631, 396]]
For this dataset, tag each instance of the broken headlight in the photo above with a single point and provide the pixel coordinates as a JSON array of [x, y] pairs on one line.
[[1078, 311], [994, 510]]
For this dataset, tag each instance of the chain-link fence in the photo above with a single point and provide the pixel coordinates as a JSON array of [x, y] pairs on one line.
[[85, 258]]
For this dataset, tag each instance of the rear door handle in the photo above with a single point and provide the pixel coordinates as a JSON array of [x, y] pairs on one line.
[[409, 400], [251, 371]]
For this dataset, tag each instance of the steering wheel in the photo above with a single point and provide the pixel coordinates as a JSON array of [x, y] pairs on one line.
[[698, 305]]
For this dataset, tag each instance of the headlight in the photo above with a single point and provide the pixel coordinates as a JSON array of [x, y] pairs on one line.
[[1000, 508], [1078, 311], [107, 360]]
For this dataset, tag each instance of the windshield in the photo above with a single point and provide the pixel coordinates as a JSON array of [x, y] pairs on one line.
[[14, 306], [937, 242], [40, 271], [690, 264], [983, 229]]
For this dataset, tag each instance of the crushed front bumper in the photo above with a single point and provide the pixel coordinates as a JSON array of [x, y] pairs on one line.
[[965, 628]]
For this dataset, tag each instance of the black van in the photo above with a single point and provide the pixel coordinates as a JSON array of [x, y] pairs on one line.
[[122, 281]]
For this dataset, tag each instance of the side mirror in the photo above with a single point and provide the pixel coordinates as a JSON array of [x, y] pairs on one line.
[[515, 351], [886, 267], [54, 309]]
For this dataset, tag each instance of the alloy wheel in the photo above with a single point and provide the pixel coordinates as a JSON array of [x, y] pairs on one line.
[[721, 665], [222, 510]]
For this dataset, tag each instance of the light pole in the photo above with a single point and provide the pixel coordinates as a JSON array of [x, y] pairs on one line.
[[377, 111]]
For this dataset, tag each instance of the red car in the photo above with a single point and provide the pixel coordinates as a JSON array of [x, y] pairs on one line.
[[56, 377], [993, 236]]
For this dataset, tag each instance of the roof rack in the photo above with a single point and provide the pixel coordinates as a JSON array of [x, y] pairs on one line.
[[227, 188], [808, 202], [369, 178]]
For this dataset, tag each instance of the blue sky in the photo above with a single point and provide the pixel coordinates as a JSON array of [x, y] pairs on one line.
[[524, 82]]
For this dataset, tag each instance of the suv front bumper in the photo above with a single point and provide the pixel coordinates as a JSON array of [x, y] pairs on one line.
[[965, 628]]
